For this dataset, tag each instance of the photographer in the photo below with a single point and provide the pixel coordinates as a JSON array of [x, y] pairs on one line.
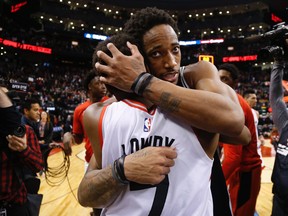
[[280, 119], [19, 150]]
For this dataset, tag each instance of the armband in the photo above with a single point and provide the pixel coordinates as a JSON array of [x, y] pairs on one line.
[[141, 83], [118, 170]]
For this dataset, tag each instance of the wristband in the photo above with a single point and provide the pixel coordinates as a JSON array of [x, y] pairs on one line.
[[141, 83], [118, 170]]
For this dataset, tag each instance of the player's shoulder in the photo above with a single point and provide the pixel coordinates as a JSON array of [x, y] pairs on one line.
[[195, 72], [95, 107], [82, 106], [199, 65]]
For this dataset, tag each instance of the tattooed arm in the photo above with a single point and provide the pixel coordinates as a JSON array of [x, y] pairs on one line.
[[210, 105], [98, 188]]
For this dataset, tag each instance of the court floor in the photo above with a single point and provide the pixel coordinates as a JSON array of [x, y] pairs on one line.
[[60, 194]]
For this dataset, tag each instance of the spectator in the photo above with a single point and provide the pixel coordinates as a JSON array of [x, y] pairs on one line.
[[280, 119], [45, 135], [96, 92], [241, 164], [22, 152], [251, 98]]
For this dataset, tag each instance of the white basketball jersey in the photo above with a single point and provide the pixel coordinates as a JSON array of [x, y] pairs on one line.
[[126, 128], [254, 112]]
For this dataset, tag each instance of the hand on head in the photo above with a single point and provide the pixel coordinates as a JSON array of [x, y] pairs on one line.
[[117, 74]]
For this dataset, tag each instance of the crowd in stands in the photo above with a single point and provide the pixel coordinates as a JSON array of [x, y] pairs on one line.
[[59, 86], [60, 89]]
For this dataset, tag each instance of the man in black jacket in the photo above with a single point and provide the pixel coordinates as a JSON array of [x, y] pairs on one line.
[[280, 119]]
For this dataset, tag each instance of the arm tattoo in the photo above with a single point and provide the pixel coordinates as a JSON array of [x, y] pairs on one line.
[[168, 103], [105, 193]]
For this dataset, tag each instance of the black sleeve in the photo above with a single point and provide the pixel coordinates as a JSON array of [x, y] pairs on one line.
[[276, 93]]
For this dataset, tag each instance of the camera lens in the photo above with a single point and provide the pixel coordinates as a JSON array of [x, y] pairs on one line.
[[20, 131]]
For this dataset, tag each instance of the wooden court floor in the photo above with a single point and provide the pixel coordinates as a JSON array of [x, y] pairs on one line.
[[61, 200]]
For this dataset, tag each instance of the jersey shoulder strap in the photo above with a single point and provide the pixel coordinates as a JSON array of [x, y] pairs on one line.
[[182, 78]]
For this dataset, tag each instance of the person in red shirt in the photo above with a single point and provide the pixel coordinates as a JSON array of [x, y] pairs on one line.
[[241, 164], [96, 91], [15, 151]]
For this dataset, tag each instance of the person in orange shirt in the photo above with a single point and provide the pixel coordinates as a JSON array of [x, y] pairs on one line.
[[241, 164], [96, 92]]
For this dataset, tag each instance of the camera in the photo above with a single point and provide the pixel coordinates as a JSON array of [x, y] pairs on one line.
[[20, 131], [276, 39], [10, 124], [271, 53]]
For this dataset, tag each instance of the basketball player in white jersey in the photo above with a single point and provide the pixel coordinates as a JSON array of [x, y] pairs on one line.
[[151, 164], [131, 125], [251, 98]]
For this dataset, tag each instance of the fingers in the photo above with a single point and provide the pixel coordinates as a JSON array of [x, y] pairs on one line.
[[133, 48], [103, 56], [16, 143], [165, 171], [163, 151], [104, 80], [169, 152], [103, 70], [149, 163], [13, 147], [17, 139], [106, 58], [169, 163], [113, 49]]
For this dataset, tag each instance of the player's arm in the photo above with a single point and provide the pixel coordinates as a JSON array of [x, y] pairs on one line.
[[242, 139], [77, 135], [209, 81], [212, 106], [214, 110], [98, 188]]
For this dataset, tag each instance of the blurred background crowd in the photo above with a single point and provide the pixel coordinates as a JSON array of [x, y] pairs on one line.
[[56, 79]]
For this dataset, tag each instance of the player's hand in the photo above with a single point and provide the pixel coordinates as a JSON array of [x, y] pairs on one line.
[[149, 165], [120, 70], [68, 141]]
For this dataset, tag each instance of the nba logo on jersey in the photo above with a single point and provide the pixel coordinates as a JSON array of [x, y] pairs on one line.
[[147, 124]]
